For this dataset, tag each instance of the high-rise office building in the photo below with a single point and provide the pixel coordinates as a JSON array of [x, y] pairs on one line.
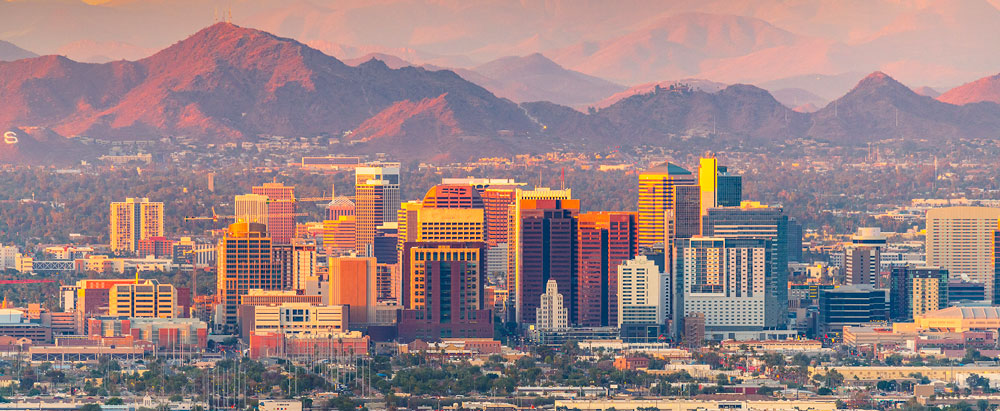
[[448, 213], [244, 263], [442, 291], [338, 235], [295, 263], [718, 187], [643, 293], [133, 220], [965, 292], [850, 305], [376, 201], [353, 282], [727, 280], [251, 208], [497, 206], [405, 216], [385, 243], [546, 249], [338, 206], [280, 210], [669, 204], [551, 313], [753, 220], [862, 257], [960, 240], [604, 240], [147, 299], [794, 240], [514, 239], [388, 282]]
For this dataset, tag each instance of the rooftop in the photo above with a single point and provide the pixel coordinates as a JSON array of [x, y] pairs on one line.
[[668, 168], [978, 313]]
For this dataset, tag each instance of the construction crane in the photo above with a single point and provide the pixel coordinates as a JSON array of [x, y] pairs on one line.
[[318, 199], [216, 217], [6, 282]]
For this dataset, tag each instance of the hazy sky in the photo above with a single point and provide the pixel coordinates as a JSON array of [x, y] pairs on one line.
[[936, 43]]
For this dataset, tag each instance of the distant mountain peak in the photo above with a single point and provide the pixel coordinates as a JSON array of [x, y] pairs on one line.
[[986, 89], [878, 82], [10, 52]]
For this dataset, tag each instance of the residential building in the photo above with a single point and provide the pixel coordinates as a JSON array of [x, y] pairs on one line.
[[133, 220], [158, 247], [862, 257], [145, 299], [643, 293], [927, 290]]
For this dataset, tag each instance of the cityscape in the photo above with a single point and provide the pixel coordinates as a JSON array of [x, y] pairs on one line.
[[387, 206]]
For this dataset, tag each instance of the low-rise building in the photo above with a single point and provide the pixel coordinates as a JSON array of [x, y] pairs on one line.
[[773, 345], [267, 345]]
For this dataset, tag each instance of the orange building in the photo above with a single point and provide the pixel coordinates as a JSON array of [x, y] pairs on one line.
[[338, 235], [631, 363], [353, 283]]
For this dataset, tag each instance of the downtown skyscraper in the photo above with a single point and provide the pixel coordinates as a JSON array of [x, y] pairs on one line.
[[376, 201], [244, 263], [280, 210], [604, 240], [669, 205]]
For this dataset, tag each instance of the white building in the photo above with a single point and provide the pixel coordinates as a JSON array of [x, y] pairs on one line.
[[8, 257], [496, 260], [300, 319], [251, 208], [724, 279], [643, 292], [551, 314], [960, 240]]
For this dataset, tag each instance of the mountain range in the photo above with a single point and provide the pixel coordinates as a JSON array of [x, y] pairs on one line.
[[11, 52], [228, 83]]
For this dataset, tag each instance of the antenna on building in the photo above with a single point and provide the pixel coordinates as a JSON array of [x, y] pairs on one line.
[[562, 178]]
